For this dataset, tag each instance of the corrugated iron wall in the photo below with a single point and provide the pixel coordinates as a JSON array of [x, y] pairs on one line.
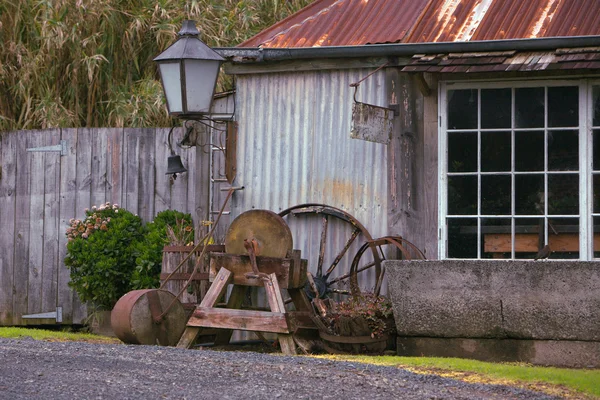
[[294, 147]]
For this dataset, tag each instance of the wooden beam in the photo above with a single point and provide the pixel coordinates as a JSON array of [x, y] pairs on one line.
[[244, 320], [422, 84], [529, 242]]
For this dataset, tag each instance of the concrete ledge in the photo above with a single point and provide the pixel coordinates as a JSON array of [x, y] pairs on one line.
[[541, 300], [561, 353]]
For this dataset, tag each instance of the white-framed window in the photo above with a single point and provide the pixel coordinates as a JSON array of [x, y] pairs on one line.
[[519, 169]]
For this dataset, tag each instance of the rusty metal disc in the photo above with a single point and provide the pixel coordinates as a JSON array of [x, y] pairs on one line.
[[266, 227], [133, 318]]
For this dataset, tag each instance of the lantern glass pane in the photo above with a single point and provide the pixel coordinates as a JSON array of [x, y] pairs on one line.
[[171, 78], [201, 77]]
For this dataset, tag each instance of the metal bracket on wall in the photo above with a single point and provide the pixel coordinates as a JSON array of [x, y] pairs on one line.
[[61, 147], [56, 315]]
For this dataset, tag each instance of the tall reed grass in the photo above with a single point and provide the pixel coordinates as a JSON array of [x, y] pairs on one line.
[[88, 63]]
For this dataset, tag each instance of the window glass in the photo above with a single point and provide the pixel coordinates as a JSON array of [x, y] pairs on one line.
[[596, 222], [462, 237], [563, 150], [496, 105], [596, 105], [529, 194], [563, 237], [495, 194], [596, 195], [596, 149], [462, 151], [529, 151], [563, 106], [496, 238], [462, 195], [462, 109], [495, 151], [563, 194], [529, 237], [529, 107]]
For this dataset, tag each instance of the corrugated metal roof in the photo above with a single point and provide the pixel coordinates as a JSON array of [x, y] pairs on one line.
[[584, 58], [342, 23], [359, 22]]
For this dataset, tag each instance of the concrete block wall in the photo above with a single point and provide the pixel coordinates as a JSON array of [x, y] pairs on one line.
[[499, 310]]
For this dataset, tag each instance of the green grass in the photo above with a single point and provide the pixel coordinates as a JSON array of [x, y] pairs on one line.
[[55, 336], [586, 381]]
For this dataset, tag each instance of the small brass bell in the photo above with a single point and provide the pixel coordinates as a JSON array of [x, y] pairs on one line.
[[175, 166]]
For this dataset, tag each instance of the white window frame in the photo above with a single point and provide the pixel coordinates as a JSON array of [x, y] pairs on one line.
[[586, 233]]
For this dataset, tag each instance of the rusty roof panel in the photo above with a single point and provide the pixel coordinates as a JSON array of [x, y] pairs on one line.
[[342, 23], [470, 20]]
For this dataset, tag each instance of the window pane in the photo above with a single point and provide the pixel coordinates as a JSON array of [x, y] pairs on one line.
[[596, 149], [495, 194], [596, 105], [462, 195], [462, 237], [496, 238], [529, 237], [563, 237], [563, 194], [529, 107], [495, 151], [596, 195], [529, 151], [529, 194], [563, 106], [596, 237], [462, 151], [495, 108], [563, 150], [462, 109]]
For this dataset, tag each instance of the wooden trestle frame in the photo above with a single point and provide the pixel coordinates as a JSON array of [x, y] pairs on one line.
[[275, 274]]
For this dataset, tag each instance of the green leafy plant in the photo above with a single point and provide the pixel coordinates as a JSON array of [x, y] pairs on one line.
[[101, 253], [170, 227]]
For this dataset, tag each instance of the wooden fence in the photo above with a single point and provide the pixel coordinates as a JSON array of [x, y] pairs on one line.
[[40, 191]]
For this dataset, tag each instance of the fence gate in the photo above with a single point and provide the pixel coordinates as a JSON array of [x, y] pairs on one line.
[[48, 177]]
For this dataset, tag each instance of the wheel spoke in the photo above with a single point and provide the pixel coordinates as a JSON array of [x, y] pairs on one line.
[[340, 291], [344, 250], [346, 276], [322, 246]]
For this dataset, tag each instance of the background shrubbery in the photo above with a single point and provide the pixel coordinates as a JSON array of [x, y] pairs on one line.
[[111, 252], [88, 63]]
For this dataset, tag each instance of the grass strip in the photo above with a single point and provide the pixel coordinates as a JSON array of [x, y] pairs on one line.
[[54, 335], [551, 380]]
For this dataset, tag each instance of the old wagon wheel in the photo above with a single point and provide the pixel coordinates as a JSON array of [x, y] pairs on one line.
[[323, 280], [408, 251]]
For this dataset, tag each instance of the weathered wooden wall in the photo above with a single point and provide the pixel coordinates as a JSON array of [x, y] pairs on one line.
[[413, 161], [41, 191]]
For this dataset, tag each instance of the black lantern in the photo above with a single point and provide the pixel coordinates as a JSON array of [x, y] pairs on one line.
[[189, 71]]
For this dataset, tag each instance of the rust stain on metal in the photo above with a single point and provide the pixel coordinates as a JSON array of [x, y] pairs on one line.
[[371, 123], [360, 22]]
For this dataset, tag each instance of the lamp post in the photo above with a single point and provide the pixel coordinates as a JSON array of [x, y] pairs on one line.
[[189, 71]]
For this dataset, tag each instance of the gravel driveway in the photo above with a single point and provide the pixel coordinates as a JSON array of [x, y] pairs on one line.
[[32, 369]]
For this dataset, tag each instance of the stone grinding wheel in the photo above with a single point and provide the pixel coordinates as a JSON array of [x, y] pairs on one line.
[[132, 318], [266, 227]]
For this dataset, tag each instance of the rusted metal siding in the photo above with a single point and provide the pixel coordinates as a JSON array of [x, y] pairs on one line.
[[342, 23], [464, 20], [294, 147], [359, 22]]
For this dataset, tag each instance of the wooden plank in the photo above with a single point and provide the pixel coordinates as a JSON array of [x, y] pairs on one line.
[[8, 175], [262, 321], [68, 191], [98, 141], [529, 242], [193, 174], [114, 164], [23, 202], [51, 223], [162, 189], [286, 341], [145, 207], [236, 298], [179, 186], [240, 266], [217, 290], [36, 223], [131, 170], [83, 153]]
